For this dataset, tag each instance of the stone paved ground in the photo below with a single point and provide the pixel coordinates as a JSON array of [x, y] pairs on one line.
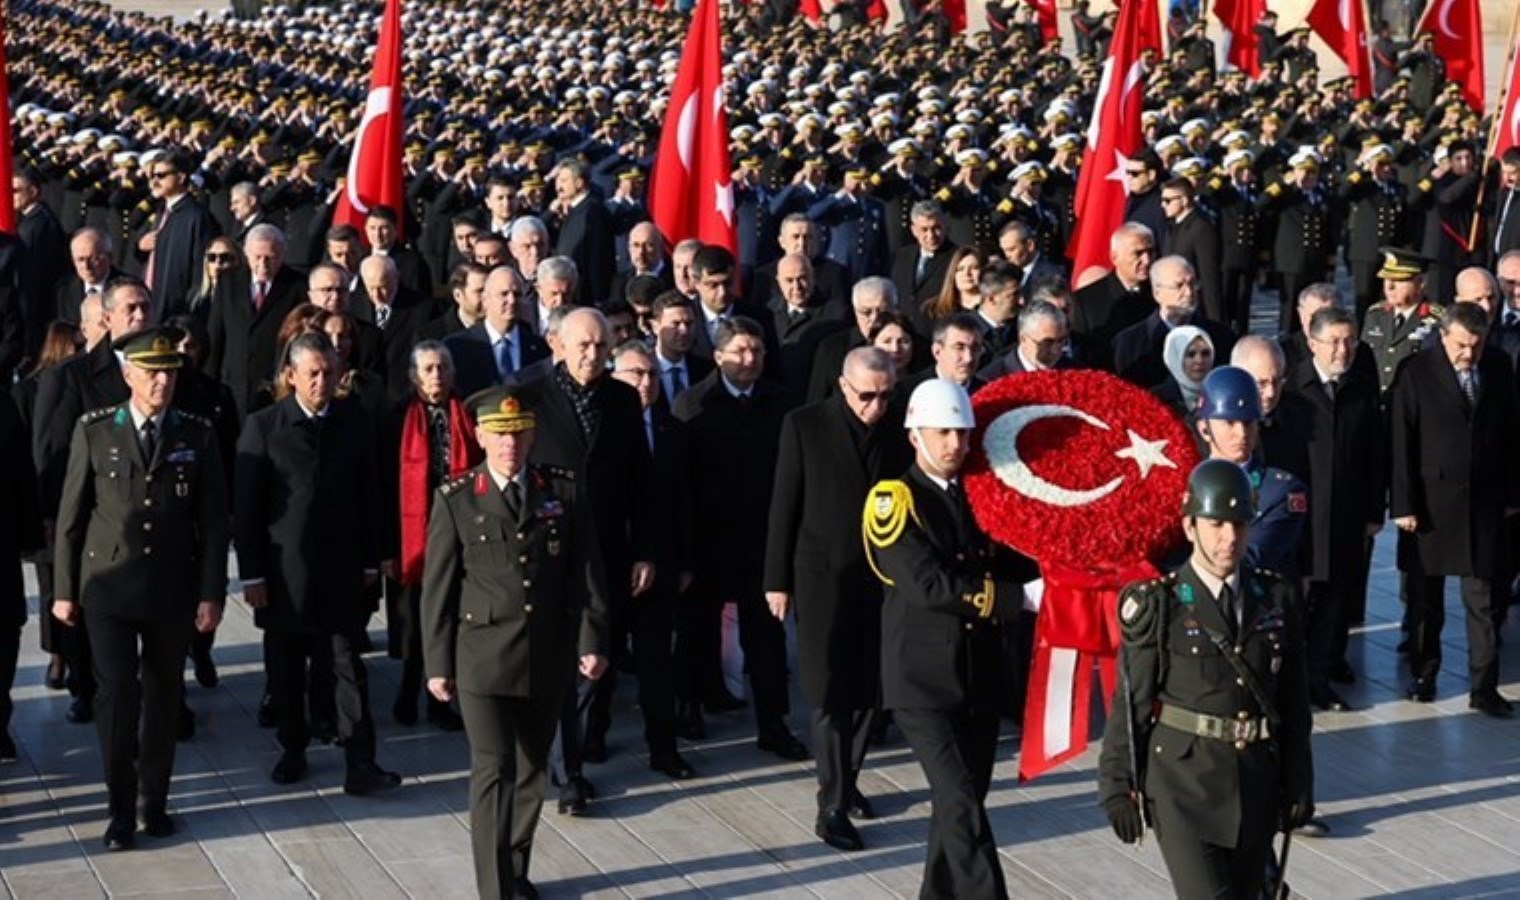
[[1424, 801]]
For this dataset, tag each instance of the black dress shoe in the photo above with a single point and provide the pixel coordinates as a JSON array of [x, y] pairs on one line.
[[1327, 699], [1314, 828], [671, 765], [186, 729], [836, 830], [1491, 703], [594, 750], [574, 796], [1422, 691], [723, 702], [290, 769], [367, 778], [268, 718], [404, 712], [1342, 673], [860, 807], [157, 823], [7, 749], [81, 710], [689, 724], [784, 745], [205, 672], [57, 673], [523, 889], [121, 835], [442, 717]]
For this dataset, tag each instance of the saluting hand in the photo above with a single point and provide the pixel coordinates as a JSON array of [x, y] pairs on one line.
[[442, 689], [208, 615]]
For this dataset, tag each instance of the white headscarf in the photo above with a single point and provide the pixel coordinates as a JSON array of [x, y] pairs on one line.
[[1172, 353]]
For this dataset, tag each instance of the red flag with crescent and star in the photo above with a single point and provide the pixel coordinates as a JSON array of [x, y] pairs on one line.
[[1458, 29], [1084, 473], [1507, 125], [1343, 25], [691, 192], [1239, 18], [374, 169], [1114, 135]]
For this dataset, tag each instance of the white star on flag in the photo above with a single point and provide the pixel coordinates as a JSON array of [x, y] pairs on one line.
[[725, 200], [1145, 454], [1118, 173]]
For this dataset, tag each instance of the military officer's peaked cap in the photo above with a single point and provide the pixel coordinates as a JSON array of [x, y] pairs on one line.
[[1400, 264], [500, 410], [153, 349]]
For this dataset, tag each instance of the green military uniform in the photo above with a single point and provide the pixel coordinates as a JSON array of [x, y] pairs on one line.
[[141, 538], [510, 601], [1217, 763], [1395, 335]]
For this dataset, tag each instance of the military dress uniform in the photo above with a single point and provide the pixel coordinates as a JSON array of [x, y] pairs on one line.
[[1282, 511], [948, 588], [512, 596], [1378, 217], [141, 538], [1217, 693], [1395, 336]]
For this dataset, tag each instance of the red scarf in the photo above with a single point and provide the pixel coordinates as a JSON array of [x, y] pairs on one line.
[[416, 445]]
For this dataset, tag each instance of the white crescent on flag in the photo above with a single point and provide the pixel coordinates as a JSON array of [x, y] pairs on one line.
[[1443, 18], [375, 108], [1131, 81], [1104, 82], [686, 130]]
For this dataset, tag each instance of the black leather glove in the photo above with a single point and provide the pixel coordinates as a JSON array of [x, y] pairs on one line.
[[1124, 816], [1297, 813]]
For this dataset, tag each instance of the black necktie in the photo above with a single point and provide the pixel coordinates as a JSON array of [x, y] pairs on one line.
[[1330, 388], [1469, 381], [149, 439], [1227, 604], [512, 493], [1398, 321]]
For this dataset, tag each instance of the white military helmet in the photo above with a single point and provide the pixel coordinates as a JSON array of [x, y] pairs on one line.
[[938, 403]]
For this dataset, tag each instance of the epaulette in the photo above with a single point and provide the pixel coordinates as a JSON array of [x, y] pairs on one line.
[[888, 507], [1425, 185], [452, 487], [1215, 184], [560, 472], [1139, 604], [1280, 475], [1354, 178], [192, 417], [1266, 574], [943, 195], [876, 178], [96, 415], [1005, 207], [1274, 189]]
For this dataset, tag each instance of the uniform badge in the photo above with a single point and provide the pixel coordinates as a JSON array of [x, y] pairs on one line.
[[1130, 609], [1298, 502], [1185, 595], [480, 483], [551, 509], [553, 545], [1276, 664], [182, 490]]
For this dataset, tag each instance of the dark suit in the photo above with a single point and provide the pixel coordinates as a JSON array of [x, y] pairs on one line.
[[1453, 469], [618, 290], [407, 315], [1196, 239], [244, 354], [45, 262], [510, 648], [612, 466], [20, 535], [701, 339], [176, 261], [1103, 309], [733, 447], [828, 361], [831, 288], [1137, 349], [801, 335], [916, 286], [307, 510], [139, 541], [69, 294], [585, 236], [828, 461], [412, 271], [475, 358], [942, 664]]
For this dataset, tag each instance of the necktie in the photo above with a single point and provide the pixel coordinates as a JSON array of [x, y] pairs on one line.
[[149, 439], [260, 294], [1511, 319], [1469, 383], [1331, 387], [1398, 321], [677, 380], [163, 219], [923, 268], [512, 494], [1503, 216], [503, 348], [1228, 606], [382, 316]]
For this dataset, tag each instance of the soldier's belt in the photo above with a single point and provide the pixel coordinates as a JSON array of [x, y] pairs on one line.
[[1220, 728]]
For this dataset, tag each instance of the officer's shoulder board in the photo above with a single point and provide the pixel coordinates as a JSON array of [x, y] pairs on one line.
[[449, 488], [888, 507], [557, 472], [1215, 184], [193, 419], [1425, 185], [100, 415], [1139, 604], [1274, 189]]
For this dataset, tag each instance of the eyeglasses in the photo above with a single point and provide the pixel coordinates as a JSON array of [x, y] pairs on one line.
[[866, 396], [220, 258], [1134, 173], [162, 174], [1172, 199]]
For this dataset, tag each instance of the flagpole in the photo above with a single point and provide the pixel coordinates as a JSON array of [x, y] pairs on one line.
[[1493, 129], [1367, 60]]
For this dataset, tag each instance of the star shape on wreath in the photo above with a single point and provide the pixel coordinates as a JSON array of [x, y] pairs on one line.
[[1145, 454]]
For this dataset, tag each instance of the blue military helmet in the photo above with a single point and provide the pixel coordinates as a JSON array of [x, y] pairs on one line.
[[1229, 394]]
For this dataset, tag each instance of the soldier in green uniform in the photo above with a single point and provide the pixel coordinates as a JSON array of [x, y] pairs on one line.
[[1397, 327], [1210, 738], [512, 603], [141, 555]]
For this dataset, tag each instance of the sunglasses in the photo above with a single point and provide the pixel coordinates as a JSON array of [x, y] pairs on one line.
[[868, 396], [1134, 173], [220, 258], [162, 174]]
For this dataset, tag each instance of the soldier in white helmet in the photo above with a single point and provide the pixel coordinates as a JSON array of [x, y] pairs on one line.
[[948, 588]]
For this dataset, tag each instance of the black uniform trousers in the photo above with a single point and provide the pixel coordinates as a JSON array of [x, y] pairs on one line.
[[956, 750], [1366, 287], [319, 677], [287, 649], [139, 669], [650, 620], [1328, 629], [404, 642], [1200, 869], [1290, 285], [509, 744], [762, 637], [73, 644], [10, 654], [1428, 607], [1236, 286], [840, 739]]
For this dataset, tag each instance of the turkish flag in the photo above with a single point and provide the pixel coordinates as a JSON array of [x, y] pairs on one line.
[[1343, 25], [1114, 135], [8, 203], [1458, 29], [1045, 13], [812, 10], [691, 193], [1239, 18], [374, 170], [1507, 126]]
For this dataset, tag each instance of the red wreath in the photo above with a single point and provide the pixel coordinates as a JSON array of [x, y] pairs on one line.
[[1135, 521], [1084, 473]]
